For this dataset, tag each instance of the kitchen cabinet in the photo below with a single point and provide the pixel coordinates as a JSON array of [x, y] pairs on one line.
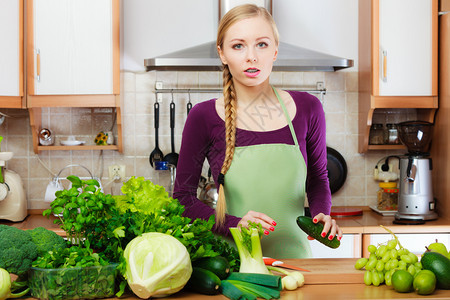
[[440, 150], [398, 53], [73, 49], [11, 54], [350, 248]]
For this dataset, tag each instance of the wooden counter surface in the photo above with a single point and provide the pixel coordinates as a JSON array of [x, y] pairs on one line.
[[329, 291]]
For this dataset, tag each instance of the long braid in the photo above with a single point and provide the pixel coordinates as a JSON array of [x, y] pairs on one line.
[[230, 139], [231, 17]]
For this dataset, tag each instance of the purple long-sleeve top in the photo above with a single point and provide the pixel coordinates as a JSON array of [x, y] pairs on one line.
[[204, 137]]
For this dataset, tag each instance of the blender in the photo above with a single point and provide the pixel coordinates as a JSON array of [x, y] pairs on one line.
[[13, 203], [415, 202]]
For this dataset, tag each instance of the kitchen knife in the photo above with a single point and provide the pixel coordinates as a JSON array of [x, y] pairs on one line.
[[278, 263]]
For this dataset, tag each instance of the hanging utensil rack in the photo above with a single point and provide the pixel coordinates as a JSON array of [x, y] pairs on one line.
[[318, 89]]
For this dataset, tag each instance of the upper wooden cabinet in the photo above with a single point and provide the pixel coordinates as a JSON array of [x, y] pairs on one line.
[[398, 56], [71, 47], [11, 54], [73, 60], [405, 60]]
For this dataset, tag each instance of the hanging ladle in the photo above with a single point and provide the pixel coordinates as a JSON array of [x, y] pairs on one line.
[[156, 154], [189, 104], [172, 158]]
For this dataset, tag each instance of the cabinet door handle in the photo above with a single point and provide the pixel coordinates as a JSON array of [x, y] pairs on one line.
[[38, 65], [384, 54]]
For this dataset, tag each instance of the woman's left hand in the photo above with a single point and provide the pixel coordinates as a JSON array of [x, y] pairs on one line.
[[329, 225]]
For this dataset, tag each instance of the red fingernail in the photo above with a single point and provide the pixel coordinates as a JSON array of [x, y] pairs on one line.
[[272, 229], [274, 223], [266, 232], [323, 234], [330, 237], [339, 238], [315, 220]]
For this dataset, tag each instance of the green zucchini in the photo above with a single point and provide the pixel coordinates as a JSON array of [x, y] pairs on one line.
[[218, 265], [204, 282], [315, 230]]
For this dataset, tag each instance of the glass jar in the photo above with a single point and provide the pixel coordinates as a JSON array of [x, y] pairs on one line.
[[392, 134], [387, 196], [166, 175], [376, 136]]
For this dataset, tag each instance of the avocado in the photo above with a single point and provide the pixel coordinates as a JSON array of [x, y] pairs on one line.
[[439, 265]]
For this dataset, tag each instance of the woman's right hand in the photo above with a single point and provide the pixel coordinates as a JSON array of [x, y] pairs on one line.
[[267, 222]]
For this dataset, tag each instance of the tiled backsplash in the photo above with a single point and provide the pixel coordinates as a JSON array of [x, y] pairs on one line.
[[340, 105]]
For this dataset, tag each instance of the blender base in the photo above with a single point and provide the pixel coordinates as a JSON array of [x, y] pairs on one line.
[[408, 222], [401, 217]]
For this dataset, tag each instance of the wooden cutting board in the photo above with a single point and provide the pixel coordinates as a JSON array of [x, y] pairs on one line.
[[328, 270]]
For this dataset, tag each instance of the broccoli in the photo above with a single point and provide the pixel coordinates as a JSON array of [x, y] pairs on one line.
[[17, 250], [46, 240]]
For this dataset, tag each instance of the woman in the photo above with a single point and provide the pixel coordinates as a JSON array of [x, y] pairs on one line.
[[263, 145]]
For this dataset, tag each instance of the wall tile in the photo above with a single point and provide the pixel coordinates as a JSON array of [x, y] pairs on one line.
[[187, 80], [129, 82], [19, 165], [335, 81], [292, 79], [334, 102], [18, 145], [351, 102], [351, 81], [311, 78], [129, 103], [210, 79], [145, 82]]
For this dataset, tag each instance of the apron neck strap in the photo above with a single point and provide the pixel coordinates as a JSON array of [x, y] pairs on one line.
[[288, 118]]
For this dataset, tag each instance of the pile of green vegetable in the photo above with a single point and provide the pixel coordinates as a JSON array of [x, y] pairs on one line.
[[211, 276], [142, 235], [109, 223], [18, 249]]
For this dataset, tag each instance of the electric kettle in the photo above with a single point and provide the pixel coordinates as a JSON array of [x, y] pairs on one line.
[[208, 191]]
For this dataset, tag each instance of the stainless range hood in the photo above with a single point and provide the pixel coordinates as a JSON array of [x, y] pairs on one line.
[[205, 58]]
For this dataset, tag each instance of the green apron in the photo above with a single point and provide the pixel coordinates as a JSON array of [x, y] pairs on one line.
[[270, 178]]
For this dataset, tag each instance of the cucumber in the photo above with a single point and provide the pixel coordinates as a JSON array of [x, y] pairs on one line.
[[204, 282], [439, 265], [314, 230], [218, 265]]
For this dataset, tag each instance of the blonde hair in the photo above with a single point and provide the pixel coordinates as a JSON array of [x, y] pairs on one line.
[[234, 15]]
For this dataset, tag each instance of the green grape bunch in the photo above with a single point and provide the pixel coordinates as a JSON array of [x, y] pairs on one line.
[[385, 259]]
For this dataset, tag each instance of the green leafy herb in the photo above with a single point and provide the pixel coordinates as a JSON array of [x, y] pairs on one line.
[[80, 207]]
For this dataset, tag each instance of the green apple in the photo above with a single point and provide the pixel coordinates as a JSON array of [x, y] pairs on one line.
[[439, 248]]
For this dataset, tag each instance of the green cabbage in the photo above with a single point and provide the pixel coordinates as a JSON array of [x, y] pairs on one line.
[[158, 265]]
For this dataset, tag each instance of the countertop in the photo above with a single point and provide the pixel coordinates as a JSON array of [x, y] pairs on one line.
[[331, 277], [369, 222]]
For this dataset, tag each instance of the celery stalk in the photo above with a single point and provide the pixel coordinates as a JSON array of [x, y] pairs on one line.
[[250, 252]]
